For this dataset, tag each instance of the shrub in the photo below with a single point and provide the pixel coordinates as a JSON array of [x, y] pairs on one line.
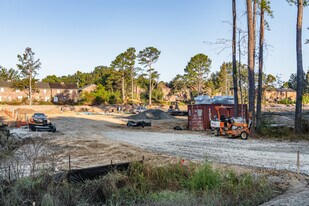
[[286, 101], [205, 178], [306, 99], [142, 184]]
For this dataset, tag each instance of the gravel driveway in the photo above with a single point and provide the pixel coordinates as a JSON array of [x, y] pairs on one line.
[[256, 153]]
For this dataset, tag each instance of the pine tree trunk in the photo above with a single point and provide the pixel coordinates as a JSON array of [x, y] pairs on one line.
[[251, 92], [261, 61], [234, 60], [199, 83], [30, 89], [299, 92], [132, 85], [122, 89], [150, 86], [254, 28], [239, 75]]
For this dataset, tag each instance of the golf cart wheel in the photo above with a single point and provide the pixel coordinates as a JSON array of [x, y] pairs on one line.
[[130, 124], [244, 135], [216, 132]]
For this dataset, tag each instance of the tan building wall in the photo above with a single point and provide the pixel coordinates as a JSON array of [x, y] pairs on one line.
[[42, 94], [8, 94], [88, 88], [64, 94], [277, 95]]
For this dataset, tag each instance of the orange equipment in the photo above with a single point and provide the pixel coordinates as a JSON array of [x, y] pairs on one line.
[[232, 127]]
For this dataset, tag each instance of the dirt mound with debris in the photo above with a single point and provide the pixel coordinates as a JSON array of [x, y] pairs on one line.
[[24, 111], [154, 114]]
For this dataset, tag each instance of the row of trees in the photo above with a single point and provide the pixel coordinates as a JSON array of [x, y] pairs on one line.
[[121, 72], [263, 6], [120, 81]]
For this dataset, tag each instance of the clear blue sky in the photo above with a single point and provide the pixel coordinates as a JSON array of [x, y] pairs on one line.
[[70, 35]]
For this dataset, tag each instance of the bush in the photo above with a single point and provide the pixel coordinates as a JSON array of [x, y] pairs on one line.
[[286, 101], [306, 99], [101, 96], [205, 178], [172, 184]]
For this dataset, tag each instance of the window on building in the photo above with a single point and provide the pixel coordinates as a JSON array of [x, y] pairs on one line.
[[44, 91], [71, 91], [0, 99], [58, 91], [2, 89], [20, 98], [17, 90]]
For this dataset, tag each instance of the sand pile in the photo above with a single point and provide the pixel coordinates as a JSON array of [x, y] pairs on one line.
[[24, 111], [154, 114]]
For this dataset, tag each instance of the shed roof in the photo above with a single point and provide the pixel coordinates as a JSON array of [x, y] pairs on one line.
[[86, 86], [62, 85], [42, 85], [6, 84]]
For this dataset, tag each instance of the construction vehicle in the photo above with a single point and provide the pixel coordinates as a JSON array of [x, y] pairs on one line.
[[39, 122], [174, 110], [229, 126]]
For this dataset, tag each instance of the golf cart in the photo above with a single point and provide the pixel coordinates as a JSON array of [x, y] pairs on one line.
[[229, 126]]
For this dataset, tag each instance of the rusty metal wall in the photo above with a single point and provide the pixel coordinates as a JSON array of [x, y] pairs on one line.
[[199, 116]]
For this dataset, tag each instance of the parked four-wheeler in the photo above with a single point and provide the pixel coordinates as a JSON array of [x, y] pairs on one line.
[[229, 126], [39, 122], [174, 110], [138, 110]]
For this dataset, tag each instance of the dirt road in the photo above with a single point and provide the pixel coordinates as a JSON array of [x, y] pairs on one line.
[[254, 153], [97, 139], [92, 140]]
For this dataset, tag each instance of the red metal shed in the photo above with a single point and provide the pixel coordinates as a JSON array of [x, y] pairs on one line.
[[199, 115]]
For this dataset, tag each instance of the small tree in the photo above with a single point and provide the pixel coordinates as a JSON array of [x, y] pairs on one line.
[[147, 57], [130, 57], [197, 71], [120, 64], [225, 80], [28, 69], [264, 7], [8, 74]]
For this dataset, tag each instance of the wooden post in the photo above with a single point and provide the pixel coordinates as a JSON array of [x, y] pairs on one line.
[[69, 163], [53, 163], [9, 172], [297, 162]]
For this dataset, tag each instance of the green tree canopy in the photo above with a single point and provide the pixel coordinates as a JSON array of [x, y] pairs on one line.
[[9, 74], [197, 71], [51, 79], [147, 58], [28, 69]]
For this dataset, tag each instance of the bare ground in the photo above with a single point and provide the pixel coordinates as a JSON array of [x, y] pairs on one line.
[[92, 140]]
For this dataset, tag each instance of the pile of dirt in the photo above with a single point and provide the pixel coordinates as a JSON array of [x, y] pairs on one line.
[[24, 111], [154, 114], [277, 119]]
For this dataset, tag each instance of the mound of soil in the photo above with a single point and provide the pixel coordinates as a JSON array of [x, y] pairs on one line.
[[154, 114], [24, 111]]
